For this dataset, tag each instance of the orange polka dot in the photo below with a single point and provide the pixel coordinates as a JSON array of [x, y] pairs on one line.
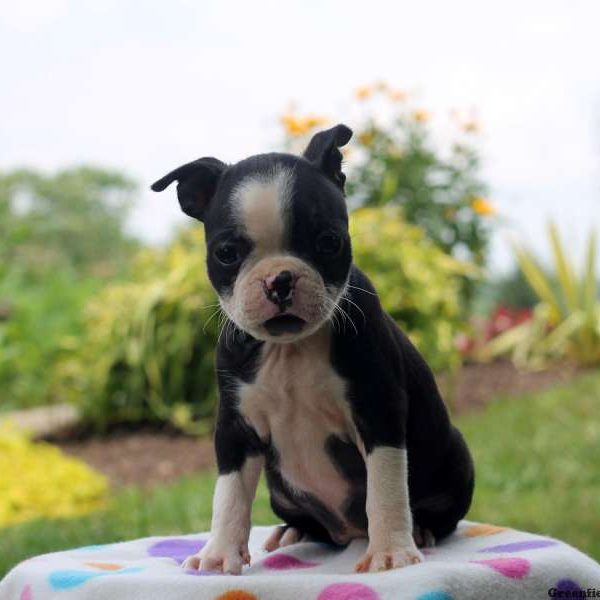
[[237, 595], [104, 566], [484, 529]]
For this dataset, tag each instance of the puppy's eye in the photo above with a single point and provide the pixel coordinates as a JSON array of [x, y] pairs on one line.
[[328, 243], [227, 254]]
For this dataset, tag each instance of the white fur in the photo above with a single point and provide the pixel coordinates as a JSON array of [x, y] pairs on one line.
[[297, 400], [234, 494], [388, 507], [391, 542], [261, 206]]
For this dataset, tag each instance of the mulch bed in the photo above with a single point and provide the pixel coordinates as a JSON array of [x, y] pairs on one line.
[[150, 456]]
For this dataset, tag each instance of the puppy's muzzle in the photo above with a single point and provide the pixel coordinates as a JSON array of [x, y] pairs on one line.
[[280, 289]]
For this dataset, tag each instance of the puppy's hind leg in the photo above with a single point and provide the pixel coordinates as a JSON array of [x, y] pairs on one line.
[[449, 497], [281, 536]]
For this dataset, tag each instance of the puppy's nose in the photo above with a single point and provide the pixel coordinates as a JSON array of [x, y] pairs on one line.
[[280, 289]]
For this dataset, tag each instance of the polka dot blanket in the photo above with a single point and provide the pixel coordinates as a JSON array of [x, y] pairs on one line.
[[477, 562]]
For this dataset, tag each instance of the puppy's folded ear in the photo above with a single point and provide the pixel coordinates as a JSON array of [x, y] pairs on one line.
[[196, 184], [323, 152]]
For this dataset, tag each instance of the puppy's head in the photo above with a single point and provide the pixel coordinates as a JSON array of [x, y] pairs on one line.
[[278, 249]]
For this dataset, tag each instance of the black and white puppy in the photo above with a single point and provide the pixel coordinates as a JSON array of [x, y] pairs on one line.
[[317, 383]]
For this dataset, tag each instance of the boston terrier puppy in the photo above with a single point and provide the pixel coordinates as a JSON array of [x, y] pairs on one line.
[[317, 384]]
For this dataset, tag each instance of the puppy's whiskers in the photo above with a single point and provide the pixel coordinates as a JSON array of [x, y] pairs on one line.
[[347, 298], [336, 309], [355, 287], [212, 316]]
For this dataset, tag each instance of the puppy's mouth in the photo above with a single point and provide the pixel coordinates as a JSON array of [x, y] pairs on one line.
[[282, 324]]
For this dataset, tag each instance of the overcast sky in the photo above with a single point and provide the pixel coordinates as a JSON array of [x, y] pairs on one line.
[[145, 86]]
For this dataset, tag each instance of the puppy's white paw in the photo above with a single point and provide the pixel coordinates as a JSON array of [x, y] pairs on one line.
[[220, 557], [384, 560]]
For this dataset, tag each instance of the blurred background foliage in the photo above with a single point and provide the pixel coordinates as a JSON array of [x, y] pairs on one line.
[[90, 316], [146, 351], [565, 323], [62, 237]]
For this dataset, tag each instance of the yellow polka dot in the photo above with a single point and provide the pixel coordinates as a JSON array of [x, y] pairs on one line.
[[104, 566], [483, 529], [237, 595]]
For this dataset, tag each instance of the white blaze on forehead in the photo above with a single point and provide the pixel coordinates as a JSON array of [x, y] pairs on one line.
[[261, 203]]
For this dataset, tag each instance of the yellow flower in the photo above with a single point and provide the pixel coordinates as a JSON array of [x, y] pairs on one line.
[[296, 126], [366, 137], [398, 95], [482, 207], [315, 121], [364, 92], [38, 480], [471, 126], [421, 116]]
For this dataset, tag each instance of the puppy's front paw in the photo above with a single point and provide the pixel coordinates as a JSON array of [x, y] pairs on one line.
[[383, 560], [220, 557]]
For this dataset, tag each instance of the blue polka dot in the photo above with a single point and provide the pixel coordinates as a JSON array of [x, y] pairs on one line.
[[435, 596], [72, 578]]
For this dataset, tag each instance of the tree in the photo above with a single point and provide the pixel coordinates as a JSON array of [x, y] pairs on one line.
[[73, 218]]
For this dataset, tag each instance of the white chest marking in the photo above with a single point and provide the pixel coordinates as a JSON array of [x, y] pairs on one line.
[[297, 401]]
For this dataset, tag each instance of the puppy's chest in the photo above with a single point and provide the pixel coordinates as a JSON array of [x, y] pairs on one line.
[[298, 403]]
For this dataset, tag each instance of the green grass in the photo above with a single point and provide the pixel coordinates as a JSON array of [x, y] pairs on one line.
[[538, 468], [537, 460]]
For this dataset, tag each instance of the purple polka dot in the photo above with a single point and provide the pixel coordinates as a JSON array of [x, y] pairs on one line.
[[348, 591], [176, 548], [281, 562], [567, 585], [518, 546]]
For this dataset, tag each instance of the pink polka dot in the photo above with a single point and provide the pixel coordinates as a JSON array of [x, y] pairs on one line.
[[281, 562], [516, 568], [348, 591], [27, 593]]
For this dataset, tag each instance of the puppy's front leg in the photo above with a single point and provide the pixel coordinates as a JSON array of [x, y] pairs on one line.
[[227, 549], [391, 543]]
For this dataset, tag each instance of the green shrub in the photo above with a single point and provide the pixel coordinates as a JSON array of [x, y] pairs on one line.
[[566, 318], [510, 290], [148, 350], [41, 315], [61, 236], [419, 284]]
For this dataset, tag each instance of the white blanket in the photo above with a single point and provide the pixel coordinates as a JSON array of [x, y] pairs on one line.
[[477, 562]]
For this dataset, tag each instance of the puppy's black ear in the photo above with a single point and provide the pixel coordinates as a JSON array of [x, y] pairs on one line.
[[196, 184], [323, 152]]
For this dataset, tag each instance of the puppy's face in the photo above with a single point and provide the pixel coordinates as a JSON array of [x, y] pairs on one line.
[[278, 249]]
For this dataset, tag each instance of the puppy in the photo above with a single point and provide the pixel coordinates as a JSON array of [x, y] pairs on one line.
[[317, 383]]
